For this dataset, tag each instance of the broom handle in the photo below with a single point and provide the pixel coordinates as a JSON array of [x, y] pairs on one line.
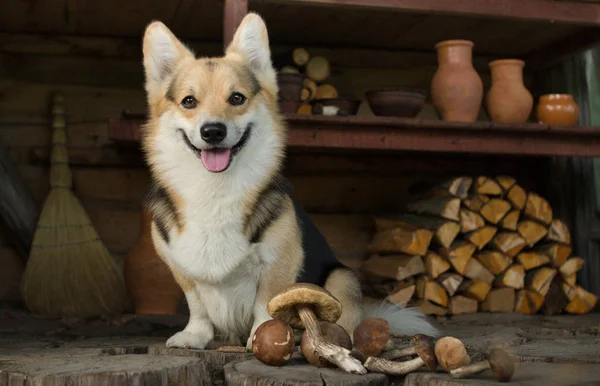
[[60, 173]]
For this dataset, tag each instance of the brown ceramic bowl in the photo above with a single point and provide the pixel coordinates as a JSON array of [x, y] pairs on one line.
[[346, 106], [396, 101]]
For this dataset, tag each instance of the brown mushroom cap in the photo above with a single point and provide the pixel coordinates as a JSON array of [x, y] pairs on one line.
[[273, 342], [332, 333], [427, 355], [371, 336], [501, 364], [324, 305], [451, 353]]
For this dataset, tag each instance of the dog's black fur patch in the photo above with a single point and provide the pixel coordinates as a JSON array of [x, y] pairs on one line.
[[161, 206], [267, 208]]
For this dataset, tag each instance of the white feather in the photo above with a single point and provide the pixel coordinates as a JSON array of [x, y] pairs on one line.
[[402, 321]]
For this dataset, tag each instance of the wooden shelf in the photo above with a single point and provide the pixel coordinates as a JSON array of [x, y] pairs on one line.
[[383, 133]]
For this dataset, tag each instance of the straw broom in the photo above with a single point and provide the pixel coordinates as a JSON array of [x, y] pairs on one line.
[[69, 271]]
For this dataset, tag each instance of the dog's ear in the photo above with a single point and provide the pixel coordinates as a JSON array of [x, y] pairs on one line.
[[162, 52], [251, 42]]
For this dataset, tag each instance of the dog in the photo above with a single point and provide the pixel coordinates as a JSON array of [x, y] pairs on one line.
[[223, 217]]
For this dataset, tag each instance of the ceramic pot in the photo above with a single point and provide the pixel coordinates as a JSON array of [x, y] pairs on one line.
[[290, 91], [150, 283], [558, 110], [508, 100], [456, 88], [396, 101]]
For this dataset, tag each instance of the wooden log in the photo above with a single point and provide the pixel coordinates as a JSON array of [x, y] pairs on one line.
[[539, 280], [513, 277], [538, 209], [450, 281], [297, 371], [444, 231], [435, 265], [509, 243], [487, 186], [530, 260], [326, 91], [475, 202], [557, 253], [429, 308], [559, 232], [571, 266], [318, 69], [300, 56], [506, 182], [476, 271], [402, 239], [482, 236], [570, 280], [517, 197], [445, 207], [457, 187], [495, 210], [397, 267], [556, 300], [495, 262], [582, 302], [476, 289], [470, 221], [462, 305], [431, 290], [458, 254], [402, 296], [510, 221], [531, 231], [528, 302], [499, 300]]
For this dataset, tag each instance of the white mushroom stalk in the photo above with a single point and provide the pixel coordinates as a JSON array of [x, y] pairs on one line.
[[380, 365], [334, 354]]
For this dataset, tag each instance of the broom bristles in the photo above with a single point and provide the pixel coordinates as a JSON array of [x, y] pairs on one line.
[[69, 271]]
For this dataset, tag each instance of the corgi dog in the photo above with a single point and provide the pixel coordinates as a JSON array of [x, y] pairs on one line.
[[223, 218]]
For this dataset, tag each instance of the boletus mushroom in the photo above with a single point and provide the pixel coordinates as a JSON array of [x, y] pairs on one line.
[[497, 360], [419, 340], [302, 305], [371, 337], [425, 356], [332, 333], [273, 342], [451, 353]]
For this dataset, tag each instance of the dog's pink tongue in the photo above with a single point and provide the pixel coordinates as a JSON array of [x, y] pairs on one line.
[[215, 160]]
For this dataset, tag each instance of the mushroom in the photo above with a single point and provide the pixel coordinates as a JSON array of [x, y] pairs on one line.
[[372, 336], [419, 340], [425, 357], [333, 333], [273, 342], [301, 305], [451, 353], [497, 360]]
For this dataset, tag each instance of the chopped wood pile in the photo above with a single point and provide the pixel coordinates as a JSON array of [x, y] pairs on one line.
[[476, 244]]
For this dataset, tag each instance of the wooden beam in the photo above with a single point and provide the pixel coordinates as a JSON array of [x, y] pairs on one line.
[[382, 133], [568, 12], [234, 12]]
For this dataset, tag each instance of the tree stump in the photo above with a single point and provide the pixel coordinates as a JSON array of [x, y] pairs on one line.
[[296, 372]]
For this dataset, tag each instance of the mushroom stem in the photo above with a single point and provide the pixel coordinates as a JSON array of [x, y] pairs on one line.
[[334, 354], [399, 353], [380, 365], [474, 368]]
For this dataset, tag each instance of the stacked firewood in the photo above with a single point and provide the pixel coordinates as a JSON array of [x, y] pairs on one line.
[[476, 244]]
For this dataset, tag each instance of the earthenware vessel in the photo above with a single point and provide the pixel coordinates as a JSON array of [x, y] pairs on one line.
[[456, 88], [557, 109], [508, 100], [290, 91], [396, 101], [150, 283]]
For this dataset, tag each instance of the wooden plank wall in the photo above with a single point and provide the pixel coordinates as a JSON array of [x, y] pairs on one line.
[[100, 78]]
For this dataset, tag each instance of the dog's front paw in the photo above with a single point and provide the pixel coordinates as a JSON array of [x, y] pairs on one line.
[[185, 339]]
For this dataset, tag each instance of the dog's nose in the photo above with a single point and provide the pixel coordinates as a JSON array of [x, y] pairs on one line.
[[213, 132]]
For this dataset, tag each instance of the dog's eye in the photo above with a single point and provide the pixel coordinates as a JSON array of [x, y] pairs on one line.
[[236, 99], [189, 102]]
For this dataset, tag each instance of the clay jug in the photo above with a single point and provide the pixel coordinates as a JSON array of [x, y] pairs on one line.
[[558, 110], [456, 88], [508, 100], [150, 283]]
